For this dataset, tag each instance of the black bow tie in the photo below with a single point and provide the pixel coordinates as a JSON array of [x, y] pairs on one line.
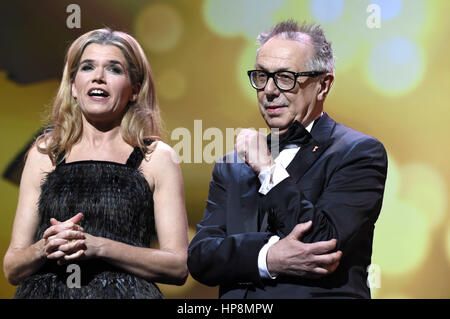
[[296, 134]]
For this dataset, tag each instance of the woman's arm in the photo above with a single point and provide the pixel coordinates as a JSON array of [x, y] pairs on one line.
[[168, 263], [24, 258]]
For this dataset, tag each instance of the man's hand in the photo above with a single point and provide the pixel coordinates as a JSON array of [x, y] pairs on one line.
[[290, 256], [251, 146]]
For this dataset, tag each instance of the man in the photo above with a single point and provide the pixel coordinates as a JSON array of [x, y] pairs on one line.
[[298, 224]]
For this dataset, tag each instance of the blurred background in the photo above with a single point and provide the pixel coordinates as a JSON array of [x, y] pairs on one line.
[[392, 82]]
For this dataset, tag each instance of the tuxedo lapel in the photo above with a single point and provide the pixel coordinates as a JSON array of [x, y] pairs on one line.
[[304, 158], [309, 153]]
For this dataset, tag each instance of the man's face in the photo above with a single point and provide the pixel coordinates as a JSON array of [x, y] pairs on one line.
[[280, 108]]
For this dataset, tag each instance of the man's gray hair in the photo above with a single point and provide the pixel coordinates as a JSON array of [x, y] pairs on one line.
[[322, 59]]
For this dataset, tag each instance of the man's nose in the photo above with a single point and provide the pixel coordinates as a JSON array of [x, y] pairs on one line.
[[271, 89]]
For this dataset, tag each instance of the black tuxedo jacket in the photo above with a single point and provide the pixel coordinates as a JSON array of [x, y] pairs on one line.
[[337, 181]]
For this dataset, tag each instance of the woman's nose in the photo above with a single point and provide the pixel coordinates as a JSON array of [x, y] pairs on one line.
[[99, 75]]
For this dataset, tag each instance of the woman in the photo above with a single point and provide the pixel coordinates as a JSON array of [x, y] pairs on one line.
[[96, 184]]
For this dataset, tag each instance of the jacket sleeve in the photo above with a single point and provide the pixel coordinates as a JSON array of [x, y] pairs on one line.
[[350, 202], [214, 256]]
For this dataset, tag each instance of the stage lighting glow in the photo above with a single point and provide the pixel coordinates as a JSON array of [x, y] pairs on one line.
[[326, 10], [246, 62], [234, 17], [396, 66], [402, 239], [293, 9], [390, 83], [408, 19], [390, 9], [348, 50], [447, 243], [393, 181], [424, 187], [403, 230], [159, 27], [171, 84], [397, 295]]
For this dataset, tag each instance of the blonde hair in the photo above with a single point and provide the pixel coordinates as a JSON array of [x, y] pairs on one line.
[[142, 118]]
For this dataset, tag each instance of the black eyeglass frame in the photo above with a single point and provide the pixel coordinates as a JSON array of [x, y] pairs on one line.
[[311, 74]]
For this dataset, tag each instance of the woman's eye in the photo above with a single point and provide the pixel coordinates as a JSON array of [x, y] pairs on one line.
[[116, 70], [86, 67]]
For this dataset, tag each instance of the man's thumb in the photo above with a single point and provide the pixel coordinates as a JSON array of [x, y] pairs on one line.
[[300, 229]]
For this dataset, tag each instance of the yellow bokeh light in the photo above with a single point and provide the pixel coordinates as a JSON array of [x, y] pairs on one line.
[[403, 103], [392, 182], [158, 28], [394, 295], [293, 9], [236, 17], [447, 244], [247, 62], [414, 203], [171, 84], [401, 239], [425, 189]]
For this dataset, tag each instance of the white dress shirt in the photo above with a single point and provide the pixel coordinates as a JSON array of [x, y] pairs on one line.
[[269, 178]]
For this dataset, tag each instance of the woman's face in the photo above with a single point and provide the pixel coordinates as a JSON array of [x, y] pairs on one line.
[[102, 85]]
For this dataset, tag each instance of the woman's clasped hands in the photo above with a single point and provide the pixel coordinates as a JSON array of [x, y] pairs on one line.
[[66, 241]]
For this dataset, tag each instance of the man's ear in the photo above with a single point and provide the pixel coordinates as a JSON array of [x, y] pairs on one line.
[[325, 86]]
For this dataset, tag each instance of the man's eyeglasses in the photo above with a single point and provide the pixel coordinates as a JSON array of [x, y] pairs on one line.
[[284, 80]]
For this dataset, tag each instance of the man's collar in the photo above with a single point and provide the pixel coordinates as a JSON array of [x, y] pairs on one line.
[[310, 126]]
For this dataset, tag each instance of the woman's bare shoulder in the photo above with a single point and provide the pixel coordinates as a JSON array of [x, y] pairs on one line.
[[163, 154], [161, 164], [38, 161]]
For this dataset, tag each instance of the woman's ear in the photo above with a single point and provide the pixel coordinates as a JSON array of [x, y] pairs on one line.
[[74, 91], [135, 93]]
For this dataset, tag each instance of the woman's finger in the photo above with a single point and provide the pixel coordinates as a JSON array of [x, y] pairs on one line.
[[56, 255], [53, 245], [76, 255], [55, 229], [68, 234], [52, 230], [77, 218], [73, 246]]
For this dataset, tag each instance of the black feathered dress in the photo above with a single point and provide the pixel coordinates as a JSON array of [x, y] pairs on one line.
[[117, 203]]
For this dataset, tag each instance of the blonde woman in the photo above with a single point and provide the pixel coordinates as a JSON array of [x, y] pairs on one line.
[[98, 182]]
